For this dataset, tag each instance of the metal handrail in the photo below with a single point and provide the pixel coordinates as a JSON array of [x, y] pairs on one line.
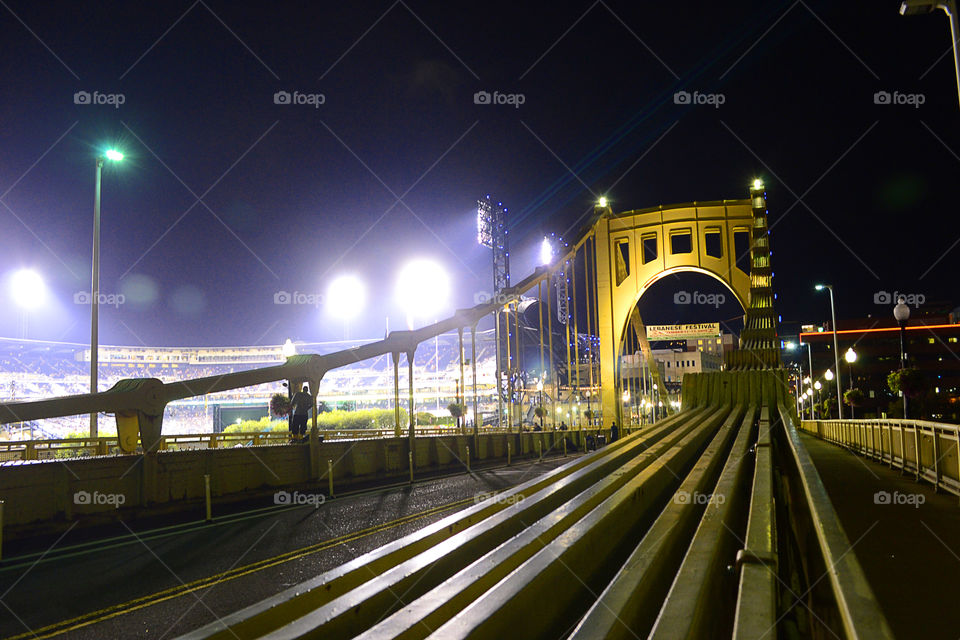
[[896, 443], [12, 450]]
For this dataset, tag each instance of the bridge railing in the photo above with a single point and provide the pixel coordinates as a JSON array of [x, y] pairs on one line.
[[52, 449], [927, 449]]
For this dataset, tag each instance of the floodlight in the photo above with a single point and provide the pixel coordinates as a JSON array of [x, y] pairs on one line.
[[28, 289], [346, 297]]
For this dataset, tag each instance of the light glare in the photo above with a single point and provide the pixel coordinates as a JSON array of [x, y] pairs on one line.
[[346, 297], [28, 289], [422, 288], [113, 154]]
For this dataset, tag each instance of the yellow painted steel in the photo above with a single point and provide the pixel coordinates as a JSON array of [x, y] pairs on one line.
[[618, 293]]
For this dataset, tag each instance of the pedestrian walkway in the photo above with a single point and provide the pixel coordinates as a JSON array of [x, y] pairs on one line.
[[906, 537]]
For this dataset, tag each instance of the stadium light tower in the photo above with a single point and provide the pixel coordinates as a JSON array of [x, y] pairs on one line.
[[492, 233], [346, 297], [114, 156]]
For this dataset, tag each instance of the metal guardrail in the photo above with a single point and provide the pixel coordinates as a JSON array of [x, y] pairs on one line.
[[53, 449], [897, 443], [859, 611]]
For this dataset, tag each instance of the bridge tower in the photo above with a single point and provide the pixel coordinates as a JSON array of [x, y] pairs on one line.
[[759, 344]]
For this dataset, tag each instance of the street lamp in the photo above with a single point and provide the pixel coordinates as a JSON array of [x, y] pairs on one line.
[[114, 156], [919, 7], [901, 313], [836, 349], [850, 356], [817, 386]]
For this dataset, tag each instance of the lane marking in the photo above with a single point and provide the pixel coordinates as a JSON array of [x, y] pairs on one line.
[[171, 593]]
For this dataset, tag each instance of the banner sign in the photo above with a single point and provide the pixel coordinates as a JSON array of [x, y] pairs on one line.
[[683, 331]]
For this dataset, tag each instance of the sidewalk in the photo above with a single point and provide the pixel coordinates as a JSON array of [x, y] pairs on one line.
[[907, 539]]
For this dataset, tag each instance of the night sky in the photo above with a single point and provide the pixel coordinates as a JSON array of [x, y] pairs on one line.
[[226, 198]]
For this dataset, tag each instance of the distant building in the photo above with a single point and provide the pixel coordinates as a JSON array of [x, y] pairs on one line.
[[715, 346], [932, 343], [672, 364]]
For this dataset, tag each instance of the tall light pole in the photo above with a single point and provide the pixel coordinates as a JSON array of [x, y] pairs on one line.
[[949, 7], [113, 156], [850, 356], [901, 313], [836, 355]]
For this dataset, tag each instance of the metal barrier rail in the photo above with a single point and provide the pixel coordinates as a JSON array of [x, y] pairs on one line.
[[896, 443], [859, 611], [51, 449]]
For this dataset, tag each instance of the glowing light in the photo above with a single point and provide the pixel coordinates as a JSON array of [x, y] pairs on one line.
[[602, 201], [817, 385], [828, 374], [546, 251], [758, 184], [346, 297], [288, 349], [29, 291], [113, 154], [422, 289], [850, 356]]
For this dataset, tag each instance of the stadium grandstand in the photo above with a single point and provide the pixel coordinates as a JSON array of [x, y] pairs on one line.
[[34, 369]]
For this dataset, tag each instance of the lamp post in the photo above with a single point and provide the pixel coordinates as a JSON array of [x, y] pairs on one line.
[[918, 7], [836, 355], [817, 386], [113, 156], [540, 400], [901, 313], [828, 376], [850, 356]]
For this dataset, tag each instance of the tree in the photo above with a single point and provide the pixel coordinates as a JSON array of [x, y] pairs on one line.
[[909, 380], [280, 405], [457, 410], [853, 397], [541, 412]]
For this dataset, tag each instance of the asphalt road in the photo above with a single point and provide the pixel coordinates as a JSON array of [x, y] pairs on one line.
[[161, 583]]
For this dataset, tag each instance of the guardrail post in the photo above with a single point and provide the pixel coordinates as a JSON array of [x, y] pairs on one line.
[[1, 529], [411, 467], [916, 452], [30, 451], [540, 449], [564, 446], [206, 492], [509, 447], [330, 476], [213, 442], [903, 451], [468, 458], [936, 460], [101, 446]]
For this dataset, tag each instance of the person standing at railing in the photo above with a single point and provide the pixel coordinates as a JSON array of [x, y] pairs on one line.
[[301, 405], [614, 432]]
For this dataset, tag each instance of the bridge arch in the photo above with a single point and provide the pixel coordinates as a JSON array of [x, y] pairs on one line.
[[635, 249]]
